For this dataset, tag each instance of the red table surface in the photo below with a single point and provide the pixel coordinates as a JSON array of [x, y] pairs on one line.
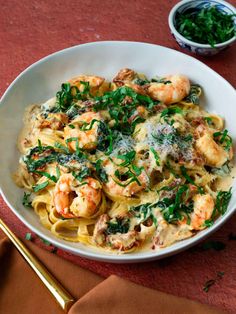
[[30, 30]]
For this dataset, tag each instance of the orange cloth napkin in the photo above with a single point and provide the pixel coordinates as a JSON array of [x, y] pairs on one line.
[[22, 292]]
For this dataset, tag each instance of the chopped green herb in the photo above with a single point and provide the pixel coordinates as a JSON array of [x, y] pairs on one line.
[[141, 82], [170, 111], [28, 236], [144, 212], [194, 94], [86, 87], [78, 151], [211, 282], [223, 138], [44, 155], [46, 242], [71, 126], [68, 95], [40, 186], [40, 146], [82, 174], [208, 223], [189, 179], [58, 173], [208, 120], [206, 26], [47, 175], [128, 158], [118, 225], [62, 147], [160, 80], [222, 202], [26, 200], [121, 105], [88, 126], [156, 156], [101, 173]]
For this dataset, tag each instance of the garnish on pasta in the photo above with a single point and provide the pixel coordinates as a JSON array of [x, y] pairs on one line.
[[126, 164]]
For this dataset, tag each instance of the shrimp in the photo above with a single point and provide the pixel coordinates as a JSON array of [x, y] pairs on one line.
[[214, 154], [203, 209], [74, 199], [170, 92], [122, 242], [123, 188], [87, 139], [95, 83], [54, 121], [126, 77]]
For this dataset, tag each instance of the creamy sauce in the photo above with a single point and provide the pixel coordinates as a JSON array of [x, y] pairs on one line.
[[226, 182]]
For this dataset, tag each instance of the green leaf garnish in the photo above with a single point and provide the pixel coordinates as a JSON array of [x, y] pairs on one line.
[[28, 236], [194, 94], [40, 186], [190, 180], [117, 225], [156, 156], [101, 173], [47, 175], [26, 201], [223, 138], [222, 202], [206, 26], [127, 158], [82, 174]]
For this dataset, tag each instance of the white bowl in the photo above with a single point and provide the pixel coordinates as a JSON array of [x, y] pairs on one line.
[[42, 80], [201, 49]]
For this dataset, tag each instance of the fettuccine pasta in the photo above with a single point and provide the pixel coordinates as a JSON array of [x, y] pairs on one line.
[[126, 164]]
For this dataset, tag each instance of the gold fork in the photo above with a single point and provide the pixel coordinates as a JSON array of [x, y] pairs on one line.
[[62, 297]]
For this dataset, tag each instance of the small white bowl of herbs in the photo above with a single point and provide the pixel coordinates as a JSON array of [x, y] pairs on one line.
[[203, 27]]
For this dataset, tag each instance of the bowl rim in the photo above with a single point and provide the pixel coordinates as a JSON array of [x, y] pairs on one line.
[[173, 29], [106, 256]]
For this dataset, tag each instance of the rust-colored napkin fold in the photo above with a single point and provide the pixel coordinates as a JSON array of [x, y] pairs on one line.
[[22, 292]]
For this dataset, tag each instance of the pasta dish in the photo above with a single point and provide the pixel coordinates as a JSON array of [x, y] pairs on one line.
[[125, 165]]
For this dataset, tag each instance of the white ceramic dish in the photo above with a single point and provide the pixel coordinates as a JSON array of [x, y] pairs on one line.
[[41, 81]]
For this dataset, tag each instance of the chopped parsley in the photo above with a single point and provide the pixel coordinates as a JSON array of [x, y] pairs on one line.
[[121, 105], [194, 95], [69, 95], [28, 236], [144, 212], [160, 80], [156, 156], [118, 225], [223, 138], [40, 186], [211, 282], [166, 113], [206, 26], [222, 202], [82, 174], [47, 175], [46, 242], [26, 200], [189, 179], [101, 173]]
